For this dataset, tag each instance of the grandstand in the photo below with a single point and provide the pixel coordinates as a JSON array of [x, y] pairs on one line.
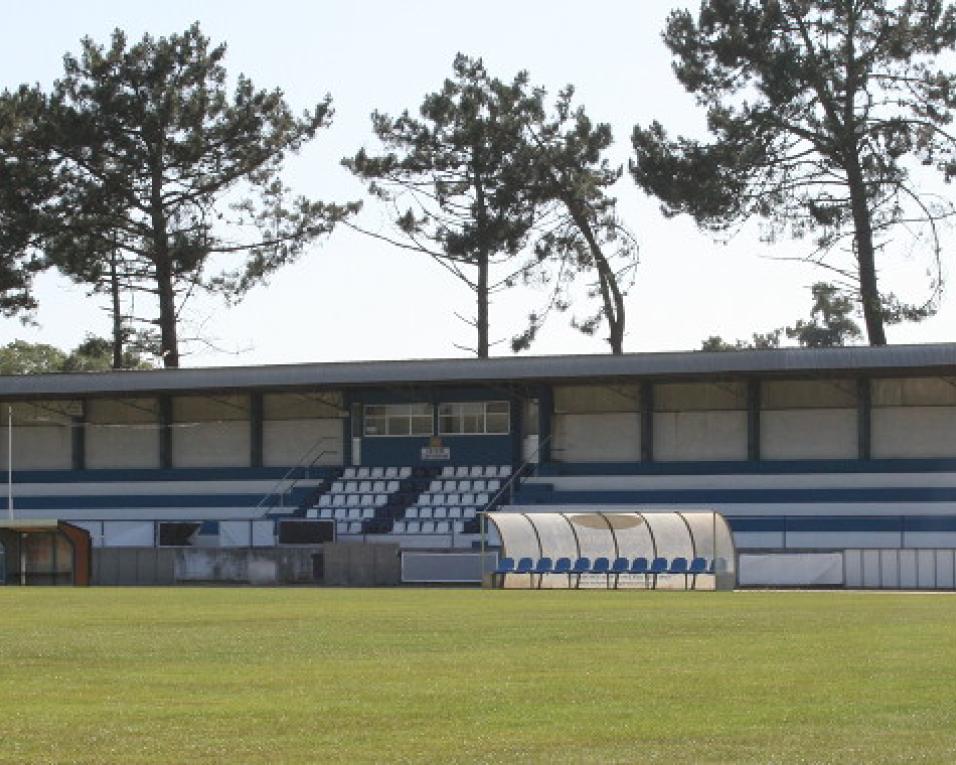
[[832, 466]]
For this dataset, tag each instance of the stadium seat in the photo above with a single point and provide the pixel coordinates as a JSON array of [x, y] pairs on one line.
[[448, 472], [476, 471], [365, 487], [325, 513], [464, 486], [391, 487], [411, 513], [404, 472], [312, 512], [355, 513], [454, 513], [543, 566], [342, 527], [381, 500], [468, 513], [338, 487], [376, 472], [602, 566], [348, 473], [425, 512], [338, 500], [436, 486], [467, 499], [439, 513], [494, 485], [479, 485], [398, 527], [350, 487], [325, 501], [412, 527], [562, 566], [453, 499], [458, 527], [461, 471], [581, 566], [658, 566], [378, 487], [390, 473], [482, 499], [341, 513], [491, 471], [505, 566], [362, 472], [368, 513], [428, 527], [449, 486], [504, 471], [353, 500], [355, 527], [620, 566], [442, 527], [697, 566], [525, 566]]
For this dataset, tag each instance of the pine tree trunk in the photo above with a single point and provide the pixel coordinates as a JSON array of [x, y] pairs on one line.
[[169, 344], [117, 315], [483, 305], [865, 256]]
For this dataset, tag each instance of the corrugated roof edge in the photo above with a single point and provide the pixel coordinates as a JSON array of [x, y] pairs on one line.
[[936, 357]]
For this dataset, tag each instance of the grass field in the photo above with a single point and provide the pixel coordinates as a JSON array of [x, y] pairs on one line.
[[307, 675]]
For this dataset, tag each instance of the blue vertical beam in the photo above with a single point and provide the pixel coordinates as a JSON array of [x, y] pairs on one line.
[[78, 440], [864, 410], [256, 447], [165, 432], [647, 421], [347, 428], [545, 423], [515, 413], [753, 420]]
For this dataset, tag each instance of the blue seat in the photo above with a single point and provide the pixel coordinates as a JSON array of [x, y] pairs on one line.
[[562, 566], [543, 566], [505, 566], [658, 566], [602, 566], [581, 566], [618, 567], [639, 566], [525, 566], [679, 566], [697, 566]]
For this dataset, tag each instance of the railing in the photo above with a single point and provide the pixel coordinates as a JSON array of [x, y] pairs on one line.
[[275, 492]]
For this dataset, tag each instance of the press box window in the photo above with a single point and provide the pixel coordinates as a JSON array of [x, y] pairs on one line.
[[475, 417], [398, 420]]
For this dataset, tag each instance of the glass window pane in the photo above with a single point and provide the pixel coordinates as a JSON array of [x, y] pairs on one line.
[[374, 426], [448, 425], [374, 410], [398, 426], [472, 424], [446, 409], [498, 423], [420, 409], [422, 426], [498, 407]]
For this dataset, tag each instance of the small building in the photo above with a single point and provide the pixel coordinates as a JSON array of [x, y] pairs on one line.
[[44, 552]]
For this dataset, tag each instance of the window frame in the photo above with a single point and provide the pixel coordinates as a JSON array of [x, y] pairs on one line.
[[392, 413], [458, 413]]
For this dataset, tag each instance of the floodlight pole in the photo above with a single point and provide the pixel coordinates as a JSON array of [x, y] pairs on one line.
[[10, 461]]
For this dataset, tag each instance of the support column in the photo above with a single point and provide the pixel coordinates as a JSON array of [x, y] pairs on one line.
[[753, 420], [255, 430], [647, 422], [864, 408], [165, 432], [545, 423], [78, 438]]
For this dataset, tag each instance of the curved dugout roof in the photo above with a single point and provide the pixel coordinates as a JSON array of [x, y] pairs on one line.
[[700, 534]]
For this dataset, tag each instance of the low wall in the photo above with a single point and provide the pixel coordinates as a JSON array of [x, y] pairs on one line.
[[362, 565]]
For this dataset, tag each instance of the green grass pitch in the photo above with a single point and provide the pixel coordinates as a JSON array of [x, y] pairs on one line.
[[417, 675]]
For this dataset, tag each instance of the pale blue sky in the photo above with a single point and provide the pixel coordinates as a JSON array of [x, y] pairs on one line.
[[354, 298]]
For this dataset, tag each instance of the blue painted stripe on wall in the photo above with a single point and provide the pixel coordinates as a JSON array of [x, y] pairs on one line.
[[743, 467], [822, 524], [737, 496]]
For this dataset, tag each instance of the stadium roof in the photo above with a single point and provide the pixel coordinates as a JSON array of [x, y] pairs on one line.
[[796, 362]]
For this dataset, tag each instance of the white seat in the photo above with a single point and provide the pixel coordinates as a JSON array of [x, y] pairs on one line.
[[378, 486], [368, 500], [494, 484], [458, 527], [448, 472], [404, 472], [454, 512], [442, 527], [381, 500], [325, 501], [355, 527], [468, 513], [412, 527], [341, 513], [453, 499], [367, 513], [467, 499], [342, 527], [338, 487], [482, 499], [449, 486], [338, 500], [312, 513], [376, 472], [464, 485], [351, 487], [504, 471], [476, 471], [491, 471], [439, 513], [355, 513], [325, 513], [365, 487], [353, 500], [461, 471], [428, 527], [424, 512], [391, 472], [362, 472], [479, 486], [438, 499], [391, 487], [411, 513], [435, 486], [398, 527], [425, 500], [349, 472]]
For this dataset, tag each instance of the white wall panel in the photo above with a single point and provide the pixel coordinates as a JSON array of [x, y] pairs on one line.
[[908, 573], [766, 540], [295, 442], [610, 437], [211, 444], [808, 434], [873, 574], [889, 568], [791, 570], [842, 539], [39, 447], [946, 569], [914, 431], [122, 447], [853, 568], [128, 534], [705, 435], [926, 569]]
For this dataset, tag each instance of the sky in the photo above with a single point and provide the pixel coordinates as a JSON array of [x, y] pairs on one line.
[[352, 297]]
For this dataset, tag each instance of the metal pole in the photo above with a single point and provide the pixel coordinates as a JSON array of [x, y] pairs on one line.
[[10, 461]]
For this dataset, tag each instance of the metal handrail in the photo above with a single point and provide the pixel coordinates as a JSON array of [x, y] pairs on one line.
[[274, 492]]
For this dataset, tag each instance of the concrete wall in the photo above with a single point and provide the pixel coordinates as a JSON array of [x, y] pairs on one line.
[[211, 431], [914, 418], [599, 437], [39, 447], [126, 567], [362, 565], [700, 421], [122, 433], [797, 434], [294, 442]]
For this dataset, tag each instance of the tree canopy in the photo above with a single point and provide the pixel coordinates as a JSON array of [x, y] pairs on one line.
[[825, 117], [159, 168]]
